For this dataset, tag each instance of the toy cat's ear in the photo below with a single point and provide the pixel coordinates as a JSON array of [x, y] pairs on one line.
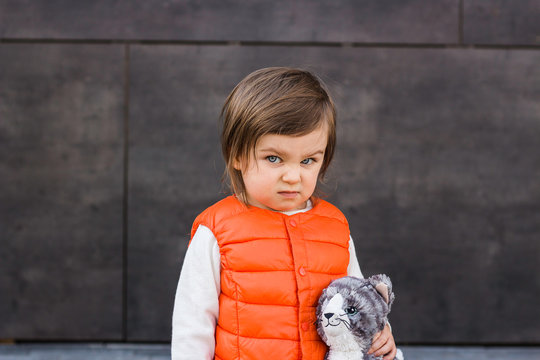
[[383, 285], [382, 289]]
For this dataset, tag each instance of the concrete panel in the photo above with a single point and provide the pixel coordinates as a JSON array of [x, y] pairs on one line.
[[436, 170], [61, 167], [443, 191], [502, 22], [174, 172], [411, 21]]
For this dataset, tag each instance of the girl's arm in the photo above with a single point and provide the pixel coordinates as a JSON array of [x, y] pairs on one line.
[[383, 344], [354, 268], [196, 305]]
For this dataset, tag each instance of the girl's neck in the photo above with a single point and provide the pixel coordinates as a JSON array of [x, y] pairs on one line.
[[309, 206]]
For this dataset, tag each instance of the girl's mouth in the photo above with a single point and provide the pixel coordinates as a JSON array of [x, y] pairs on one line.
[[288, 194]]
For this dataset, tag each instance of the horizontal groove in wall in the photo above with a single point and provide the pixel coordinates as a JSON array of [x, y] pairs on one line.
[[271, 43]]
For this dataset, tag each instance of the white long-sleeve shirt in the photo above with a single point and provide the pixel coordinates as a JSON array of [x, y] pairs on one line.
[[196, 305]]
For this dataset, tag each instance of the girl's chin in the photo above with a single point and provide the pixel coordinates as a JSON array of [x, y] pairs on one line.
[[284, 204]]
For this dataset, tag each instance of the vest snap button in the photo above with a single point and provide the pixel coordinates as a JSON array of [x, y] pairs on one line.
[[302, 271], [293, 223], [305, 326]]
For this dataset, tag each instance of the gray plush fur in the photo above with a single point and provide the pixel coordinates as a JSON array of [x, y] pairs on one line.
[[350, 312]]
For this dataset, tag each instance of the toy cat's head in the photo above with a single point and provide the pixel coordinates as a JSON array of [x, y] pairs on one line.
[[351, 310]]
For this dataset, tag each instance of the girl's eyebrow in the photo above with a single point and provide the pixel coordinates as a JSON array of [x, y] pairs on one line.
[[271, 150], [318, 152], [278, 152]]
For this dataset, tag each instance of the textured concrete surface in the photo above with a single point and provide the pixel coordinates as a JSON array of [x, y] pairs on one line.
[[430, 170], [61, 170], [162, 352], [390, 21], [501, 22], [436, 165]]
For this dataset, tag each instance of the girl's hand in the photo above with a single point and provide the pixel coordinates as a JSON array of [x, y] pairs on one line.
[[383, 344]]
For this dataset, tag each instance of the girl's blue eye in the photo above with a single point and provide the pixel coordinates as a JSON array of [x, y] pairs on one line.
[[272, 158], [307, 161]]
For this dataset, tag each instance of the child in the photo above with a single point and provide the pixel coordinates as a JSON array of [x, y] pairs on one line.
[[259, 259]]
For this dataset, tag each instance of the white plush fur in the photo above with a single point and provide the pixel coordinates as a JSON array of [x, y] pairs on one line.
[[343, 345]]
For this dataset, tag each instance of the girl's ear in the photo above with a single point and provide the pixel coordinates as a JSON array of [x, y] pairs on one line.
[[237, 164]]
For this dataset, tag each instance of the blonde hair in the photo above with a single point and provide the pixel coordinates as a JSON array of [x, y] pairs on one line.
[[276, 100]]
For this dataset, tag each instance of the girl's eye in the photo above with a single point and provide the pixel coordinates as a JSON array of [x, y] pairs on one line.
[[351, 310], [307, 161], [273, 159]]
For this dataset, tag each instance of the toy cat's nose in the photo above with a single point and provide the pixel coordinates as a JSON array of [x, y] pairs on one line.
[[328, 315]]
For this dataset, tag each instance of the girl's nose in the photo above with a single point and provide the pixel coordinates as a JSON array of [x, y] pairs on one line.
[[291, 175]]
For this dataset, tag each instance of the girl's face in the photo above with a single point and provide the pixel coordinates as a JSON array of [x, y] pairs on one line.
[[282, 173]]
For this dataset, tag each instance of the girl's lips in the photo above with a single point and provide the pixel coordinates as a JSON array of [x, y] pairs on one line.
[[288, 194]]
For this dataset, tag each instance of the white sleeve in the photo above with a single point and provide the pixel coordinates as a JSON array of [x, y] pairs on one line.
[[196, 305], [354, 267]]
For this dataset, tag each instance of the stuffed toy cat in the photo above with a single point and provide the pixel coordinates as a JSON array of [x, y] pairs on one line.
[[350, 312]]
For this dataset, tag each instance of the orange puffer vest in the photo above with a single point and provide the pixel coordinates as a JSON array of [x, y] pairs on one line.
[[273, 270]]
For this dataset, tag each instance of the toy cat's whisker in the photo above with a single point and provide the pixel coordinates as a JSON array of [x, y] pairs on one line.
[[347, 324]]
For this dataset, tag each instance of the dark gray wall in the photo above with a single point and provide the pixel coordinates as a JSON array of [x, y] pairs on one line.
[[109, 149]]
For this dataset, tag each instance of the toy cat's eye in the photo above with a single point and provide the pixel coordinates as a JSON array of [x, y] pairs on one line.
[[351, 310]]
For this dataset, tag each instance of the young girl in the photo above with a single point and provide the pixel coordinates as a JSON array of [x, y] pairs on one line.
[[259, 259]]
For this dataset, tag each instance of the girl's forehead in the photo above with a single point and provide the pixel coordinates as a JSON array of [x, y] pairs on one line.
[[311, 142]]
